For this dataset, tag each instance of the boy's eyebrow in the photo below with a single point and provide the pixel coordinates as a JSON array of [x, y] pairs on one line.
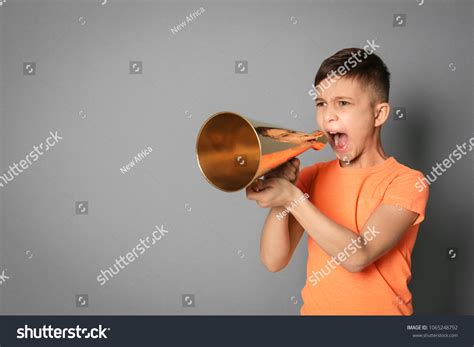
[[336, 98]]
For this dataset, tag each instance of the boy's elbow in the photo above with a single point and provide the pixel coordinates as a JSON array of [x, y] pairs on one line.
[[272, 265], [355, 268], [357, 264]]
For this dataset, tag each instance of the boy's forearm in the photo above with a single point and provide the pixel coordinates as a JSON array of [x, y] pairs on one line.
[[275, 241], [329, 235]]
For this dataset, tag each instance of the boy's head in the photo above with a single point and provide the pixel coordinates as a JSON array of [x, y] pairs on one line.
[[352, 102]]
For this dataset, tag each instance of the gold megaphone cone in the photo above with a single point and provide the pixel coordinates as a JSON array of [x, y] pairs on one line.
[[232, 151]]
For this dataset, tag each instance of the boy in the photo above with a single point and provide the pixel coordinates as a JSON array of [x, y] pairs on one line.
[[363, 212]]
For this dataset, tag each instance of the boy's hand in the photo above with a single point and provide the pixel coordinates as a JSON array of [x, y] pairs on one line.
[[273, 192], [288, 171]]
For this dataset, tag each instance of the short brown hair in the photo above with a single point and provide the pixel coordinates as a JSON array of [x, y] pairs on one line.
[[370, 70]]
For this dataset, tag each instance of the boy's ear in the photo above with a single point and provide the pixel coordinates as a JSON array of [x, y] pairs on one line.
[[382, 111]]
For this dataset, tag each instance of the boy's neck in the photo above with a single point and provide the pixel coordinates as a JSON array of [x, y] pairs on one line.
[[367, 158]]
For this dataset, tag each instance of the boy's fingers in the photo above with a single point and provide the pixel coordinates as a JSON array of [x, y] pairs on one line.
[[287, 175], [295, 162], [256, 195], [285, 170], [294, 165], [256, 186], [271, 174], [268, 183], [289, 170], [251, 193], [276, 172], [290, 173]]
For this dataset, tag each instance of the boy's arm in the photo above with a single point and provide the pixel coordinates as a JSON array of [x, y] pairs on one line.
[[381, 232], [280, 236]]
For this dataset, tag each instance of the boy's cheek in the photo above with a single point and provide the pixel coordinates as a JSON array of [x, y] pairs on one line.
[[319, 118]]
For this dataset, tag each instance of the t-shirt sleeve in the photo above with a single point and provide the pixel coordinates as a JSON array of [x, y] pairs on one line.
[[410, 192], [305, 178]]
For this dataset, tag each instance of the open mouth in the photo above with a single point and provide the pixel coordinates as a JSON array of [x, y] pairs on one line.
[[339, 140]]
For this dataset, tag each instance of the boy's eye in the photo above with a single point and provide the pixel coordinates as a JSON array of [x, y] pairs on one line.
[[343, 103], [320, 104]]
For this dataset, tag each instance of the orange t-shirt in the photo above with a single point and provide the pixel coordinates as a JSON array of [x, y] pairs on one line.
[[349, 196]]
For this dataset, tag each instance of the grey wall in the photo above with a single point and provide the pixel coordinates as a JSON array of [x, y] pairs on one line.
[[2, 85], [83, 89]]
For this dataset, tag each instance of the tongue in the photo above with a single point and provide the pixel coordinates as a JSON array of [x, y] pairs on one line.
[[340, 140]]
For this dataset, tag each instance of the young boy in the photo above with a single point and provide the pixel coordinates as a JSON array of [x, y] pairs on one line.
[[363, 212]]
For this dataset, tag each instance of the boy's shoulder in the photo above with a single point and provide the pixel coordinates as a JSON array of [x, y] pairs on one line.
[[410, 180], [402, 170]]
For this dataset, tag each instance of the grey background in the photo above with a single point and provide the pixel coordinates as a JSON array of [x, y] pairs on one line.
[[212, 247]]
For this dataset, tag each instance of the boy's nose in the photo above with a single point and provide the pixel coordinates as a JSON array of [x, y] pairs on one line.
[[331, 116]]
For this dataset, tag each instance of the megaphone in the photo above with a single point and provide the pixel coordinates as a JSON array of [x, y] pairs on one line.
[[233, 151]]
